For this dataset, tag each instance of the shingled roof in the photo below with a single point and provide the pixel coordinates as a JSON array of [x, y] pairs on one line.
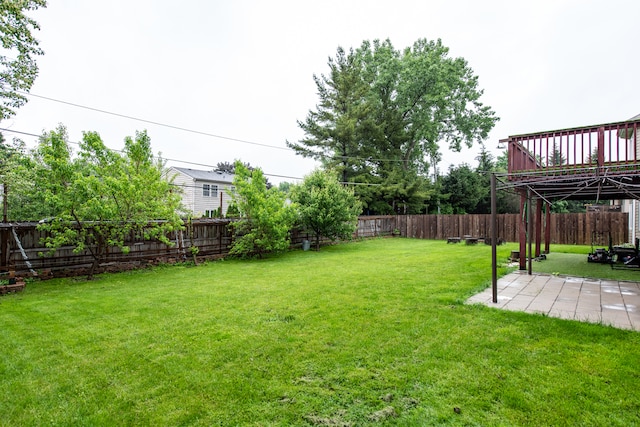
[[210, 175]]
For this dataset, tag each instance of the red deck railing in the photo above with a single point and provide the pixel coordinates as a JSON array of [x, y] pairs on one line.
[[582, 150]]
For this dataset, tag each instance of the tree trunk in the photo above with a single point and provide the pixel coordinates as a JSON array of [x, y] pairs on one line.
[[94, 267], [317, 242]]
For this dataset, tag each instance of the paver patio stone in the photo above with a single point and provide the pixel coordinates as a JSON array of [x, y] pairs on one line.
[[588, 300]]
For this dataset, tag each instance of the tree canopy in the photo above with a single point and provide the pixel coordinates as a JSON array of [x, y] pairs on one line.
[[19, 173], [18, 67], [99, 197], [326, 207], [230, 168], [265, 218], [384, 114], [462, 189]]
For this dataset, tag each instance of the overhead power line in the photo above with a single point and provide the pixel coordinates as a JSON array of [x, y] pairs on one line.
[[163, 158], [197, 132], [156, 123], [183, 161], [187, 162]]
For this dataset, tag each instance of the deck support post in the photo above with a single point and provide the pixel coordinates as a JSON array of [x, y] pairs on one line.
[[538, 226], [529, 228], [523, 231], [547, 227]]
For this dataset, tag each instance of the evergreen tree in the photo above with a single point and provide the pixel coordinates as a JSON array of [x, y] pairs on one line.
[[462, 187], [507, 201], [485, 167]]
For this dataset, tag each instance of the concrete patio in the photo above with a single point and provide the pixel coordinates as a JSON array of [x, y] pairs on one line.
[[608, 302]]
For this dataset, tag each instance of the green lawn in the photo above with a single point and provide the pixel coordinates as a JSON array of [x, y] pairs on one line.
[[572, 261], [373, 332]]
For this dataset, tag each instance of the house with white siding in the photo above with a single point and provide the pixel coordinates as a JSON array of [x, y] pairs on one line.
[[632, 206], [204, 193]]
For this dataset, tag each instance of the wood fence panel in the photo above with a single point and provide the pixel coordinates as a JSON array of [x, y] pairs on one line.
[[570, 228], [214, 239]]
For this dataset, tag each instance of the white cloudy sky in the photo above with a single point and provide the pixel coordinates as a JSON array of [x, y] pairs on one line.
[[243, 69]]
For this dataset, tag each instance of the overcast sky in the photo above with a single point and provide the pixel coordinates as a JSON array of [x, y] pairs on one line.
[[244, 69]]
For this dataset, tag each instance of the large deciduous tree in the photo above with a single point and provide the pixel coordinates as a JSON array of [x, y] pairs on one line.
[[384, 114], [265, 218], [326, 207], [99, 198], [18, 67]]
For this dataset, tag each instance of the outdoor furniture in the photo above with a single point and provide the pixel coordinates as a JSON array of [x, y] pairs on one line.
[[628, 256], [469, 240]]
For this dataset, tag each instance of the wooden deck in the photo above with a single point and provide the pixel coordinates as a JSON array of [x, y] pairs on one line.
[[591, 162]]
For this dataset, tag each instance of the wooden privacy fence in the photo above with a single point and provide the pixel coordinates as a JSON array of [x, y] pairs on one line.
[[569, 228], [213, 237]]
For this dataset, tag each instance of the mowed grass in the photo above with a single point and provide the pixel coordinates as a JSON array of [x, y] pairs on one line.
[[373, 332]]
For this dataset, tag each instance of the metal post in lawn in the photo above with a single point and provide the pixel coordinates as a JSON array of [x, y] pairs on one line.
[[529, 226], [522, 232], [494, 241]]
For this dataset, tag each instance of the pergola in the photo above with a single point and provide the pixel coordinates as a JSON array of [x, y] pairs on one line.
[[600, 162]]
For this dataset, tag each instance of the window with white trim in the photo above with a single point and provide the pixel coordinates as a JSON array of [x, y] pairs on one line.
[[205, 190]]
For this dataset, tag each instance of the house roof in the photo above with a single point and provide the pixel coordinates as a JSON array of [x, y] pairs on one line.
[[200, 175]]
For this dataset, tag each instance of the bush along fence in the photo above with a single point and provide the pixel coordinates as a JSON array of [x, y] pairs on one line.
[[21, 250]]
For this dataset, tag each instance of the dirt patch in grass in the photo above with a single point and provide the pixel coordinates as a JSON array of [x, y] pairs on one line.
[[383, 414], [335, 421]]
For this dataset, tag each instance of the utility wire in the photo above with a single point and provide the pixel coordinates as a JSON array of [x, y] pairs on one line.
[[337, 157], [183, 161], [155, 123], [157, 157]]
